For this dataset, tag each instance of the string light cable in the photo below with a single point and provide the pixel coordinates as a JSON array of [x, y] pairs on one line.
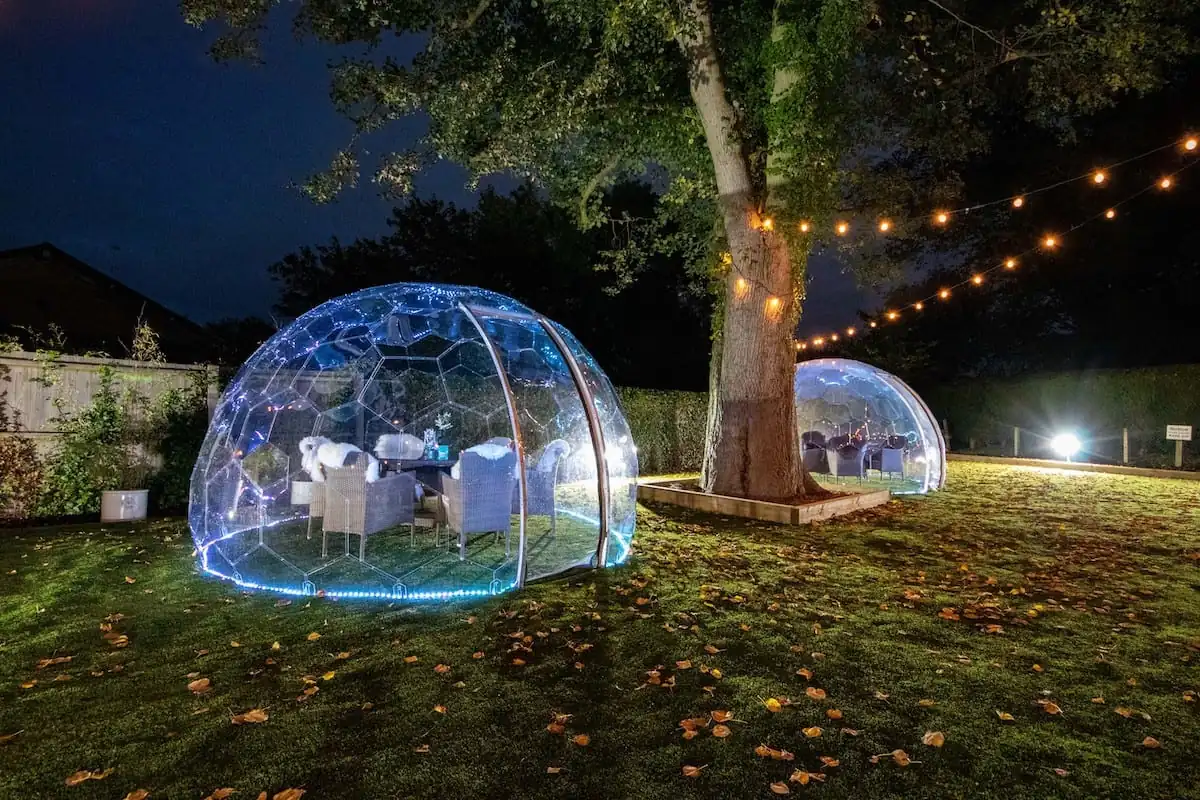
[[1047, 243]]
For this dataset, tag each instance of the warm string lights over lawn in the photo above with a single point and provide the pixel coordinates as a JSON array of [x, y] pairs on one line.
[[1048, 243]]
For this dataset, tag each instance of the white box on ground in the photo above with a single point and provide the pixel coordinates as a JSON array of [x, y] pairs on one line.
[[1179, 433]]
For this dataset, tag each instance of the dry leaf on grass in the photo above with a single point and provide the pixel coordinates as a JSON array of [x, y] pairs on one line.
[[690, 771], [289, 794], [926, 703], [422, 749], [581, 739], [441, 669], [1151, 743], [342, 656], [82, 775], [814, 693], [130, 580], [683, 664], [441, 709], [780, 788], [830, 761], [200, 686], [312, 637], [803, 777], [411, 659], [1124, 711], [553, 770], [722, 716], [721, 731], [137, 794], [813, 732], [772, 704], [253, 716], [49, 662], [223, 793], [711, 650], [1005, 716], [834, 713], [328, 676], [934, 738], [478, 654], [8, 737], [235, 643]]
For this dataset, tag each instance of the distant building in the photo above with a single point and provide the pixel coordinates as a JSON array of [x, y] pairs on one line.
[[42, 285]]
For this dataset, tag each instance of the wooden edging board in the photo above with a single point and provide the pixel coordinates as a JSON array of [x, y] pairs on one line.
[[1108, 469], [662, 492]]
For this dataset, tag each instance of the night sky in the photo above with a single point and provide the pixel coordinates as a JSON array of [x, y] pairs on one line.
[[124, 144]]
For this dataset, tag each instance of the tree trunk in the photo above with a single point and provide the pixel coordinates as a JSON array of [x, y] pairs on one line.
[[752, 447]]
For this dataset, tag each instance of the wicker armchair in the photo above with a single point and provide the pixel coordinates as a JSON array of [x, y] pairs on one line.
[[479, 500], [354, 506], [540, 481]]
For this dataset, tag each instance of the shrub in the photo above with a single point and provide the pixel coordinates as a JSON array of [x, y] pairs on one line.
[[668, 428], [182, 416], [20, 476]]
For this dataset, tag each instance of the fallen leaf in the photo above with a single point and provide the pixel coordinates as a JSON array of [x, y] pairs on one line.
[[253, 716], [221, 794], [1005, 716], [1189, 696], [1038, 668], [812, 732], [410, 659], [130, 580], [276, 646], [933, 738], [690, 771], [441, 709], [712, 651], [29, 684], [8, 737], [1151, 743], [805, 672], [683, 665], [1098, 700], [312, 637], [288, 794], [901, 758], [814, 693], [833, 713], [780, 788], [49, 662], [342, 656], [422, 749], [804, 777], [137, 794], [721, 731], [556, 728], [82, 775], [235, 644], [1062, 773], [1123, 711], [441, 669], [478, 654], [830, 761], [722, 716], [772, 704], [200, 686], [850, 731], [581, 739], [328, 676], [553, 770], [881, 695], [1051, 708]]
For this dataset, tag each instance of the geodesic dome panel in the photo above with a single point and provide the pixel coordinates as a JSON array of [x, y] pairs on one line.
[[843, 402], [414, 441]]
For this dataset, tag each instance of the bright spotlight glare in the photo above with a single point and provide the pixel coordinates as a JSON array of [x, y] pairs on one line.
[[1065, 444]]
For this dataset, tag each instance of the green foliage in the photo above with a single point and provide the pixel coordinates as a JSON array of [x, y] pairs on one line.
[[20, 476], [1097, 403], [668, 428], [182, 418]]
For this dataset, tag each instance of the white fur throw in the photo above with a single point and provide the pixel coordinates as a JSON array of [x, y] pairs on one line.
[[492, 452], [399, 445], [317, 452], [552, 453]]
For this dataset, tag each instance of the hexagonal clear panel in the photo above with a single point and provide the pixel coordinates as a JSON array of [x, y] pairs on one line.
[[369, 450]]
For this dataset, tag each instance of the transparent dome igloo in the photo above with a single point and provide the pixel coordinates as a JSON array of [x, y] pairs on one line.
[[858, 421], [414, 442]]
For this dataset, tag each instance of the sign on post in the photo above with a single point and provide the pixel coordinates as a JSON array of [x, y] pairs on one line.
[[1179, 434]]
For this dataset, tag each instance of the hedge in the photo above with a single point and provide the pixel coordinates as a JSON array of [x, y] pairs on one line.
[[1097, 403], [668, 428]]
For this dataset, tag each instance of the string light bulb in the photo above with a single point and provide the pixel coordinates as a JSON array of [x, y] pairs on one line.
[[1010, 263], [768, 224], [1050, 242], [874, 324], [850, 331], [842, 228], [833, 337], [885, 225], [977, 279], [892, 315], [805, 227], [1098, 177], [817, 342], [1018, 201], [1190, 144], [773, 305], [1110, 214], [1166, 182], [944, 294], [941, 217]]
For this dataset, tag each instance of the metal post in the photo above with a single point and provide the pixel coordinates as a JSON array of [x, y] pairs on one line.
[[593, 418], [1016, 442], [518, 440], [1178, 453], [1124, 445]]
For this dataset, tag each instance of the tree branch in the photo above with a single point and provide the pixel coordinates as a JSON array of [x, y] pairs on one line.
[[474, 16], [1003, 46], [588, 190]]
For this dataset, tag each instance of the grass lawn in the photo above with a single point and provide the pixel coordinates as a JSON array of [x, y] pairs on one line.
[[1066, 600]]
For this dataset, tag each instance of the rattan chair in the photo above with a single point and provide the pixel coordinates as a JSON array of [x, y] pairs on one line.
[[540, 481], [354, 506], [479, 500]]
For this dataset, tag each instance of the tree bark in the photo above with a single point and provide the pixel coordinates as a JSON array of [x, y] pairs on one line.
[[752, 447]]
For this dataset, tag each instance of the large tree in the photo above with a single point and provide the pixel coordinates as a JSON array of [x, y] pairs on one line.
[[755, 114]]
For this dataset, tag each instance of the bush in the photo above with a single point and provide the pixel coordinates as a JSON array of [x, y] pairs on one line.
[[182, 415], [668, 428], [20, 476]]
